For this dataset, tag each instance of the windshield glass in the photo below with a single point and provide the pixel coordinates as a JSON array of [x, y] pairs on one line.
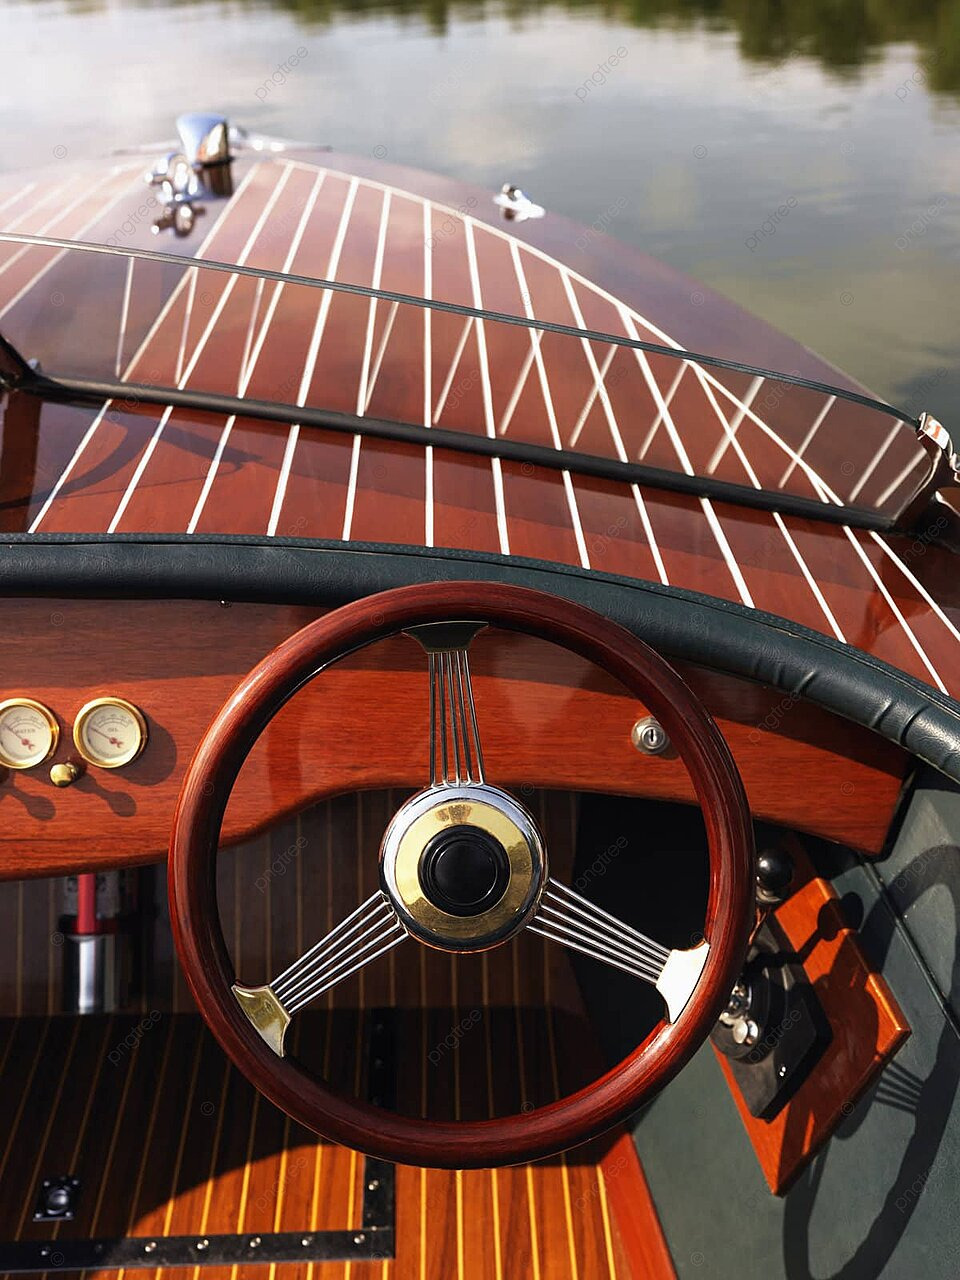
[[599, 387]]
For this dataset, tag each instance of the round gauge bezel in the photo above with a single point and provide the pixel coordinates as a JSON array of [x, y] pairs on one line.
[[84, 714], [52, 723]]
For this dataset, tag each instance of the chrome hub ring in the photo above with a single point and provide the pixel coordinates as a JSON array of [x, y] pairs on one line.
[[463, 866]]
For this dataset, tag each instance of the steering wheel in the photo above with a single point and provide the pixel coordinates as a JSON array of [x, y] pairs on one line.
[[463, 867]]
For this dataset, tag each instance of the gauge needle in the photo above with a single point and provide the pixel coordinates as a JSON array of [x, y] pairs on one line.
[[24, 742], [114, 742]]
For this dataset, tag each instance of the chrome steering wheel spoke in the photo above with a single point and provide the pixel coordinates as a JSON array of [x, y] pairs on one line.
[[370, 931], [568, 918], [456, 757]]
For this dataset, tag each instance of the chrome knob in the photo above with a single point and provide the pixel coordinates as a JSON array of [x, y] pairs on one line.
[[774, 875], [63, 774], [745, 1031]]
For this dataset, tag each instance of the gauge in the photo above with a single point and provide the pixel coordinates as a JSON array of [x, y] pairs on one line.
[[28, 733], [110, 732]]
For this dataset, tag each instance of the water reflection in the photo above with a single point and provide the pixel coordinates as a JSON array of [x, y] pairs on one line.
[[845, 113], [840, 36]]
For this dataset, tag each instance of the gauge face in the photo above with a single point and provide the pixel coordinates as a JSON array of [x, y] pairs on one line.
[[28, 733], [110, 732]]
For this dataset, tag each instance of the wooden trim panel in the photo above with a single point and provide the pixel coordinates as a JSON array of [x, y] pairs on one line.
[[548, 720]]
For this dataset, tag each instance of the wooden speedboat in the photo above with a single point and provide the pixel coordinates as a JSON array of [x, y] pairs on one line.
[[548, 719]]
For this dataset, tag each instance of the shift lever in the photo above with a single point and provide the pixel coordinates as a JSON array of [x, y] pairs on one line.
[[772, 1030], [747, 1007], [774, 876]]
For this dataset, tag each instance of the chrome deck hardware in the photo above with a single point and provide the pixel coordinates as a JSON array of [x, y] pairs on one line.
[[515, 205], [206, 144], [944, 470], [200, 171]]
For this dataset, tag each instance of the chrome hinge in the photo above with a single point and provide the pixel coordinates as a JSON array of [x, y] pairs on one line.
[[944, 472]]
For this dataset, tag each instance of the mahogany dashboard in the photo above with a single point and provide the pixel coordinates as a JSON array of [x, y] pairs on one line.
[[117, 711]]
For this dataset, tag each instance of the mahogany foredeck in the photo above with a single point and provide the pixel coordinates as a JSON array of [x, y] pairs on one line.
[[137, 468]]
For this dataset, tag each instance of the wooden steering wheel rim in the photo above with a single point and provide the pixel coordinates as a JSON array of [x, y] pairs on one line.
[[192, 875]]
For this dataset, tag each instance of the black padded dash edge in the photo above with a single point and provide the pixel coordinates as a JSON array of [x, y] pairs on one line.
[[681, 624]]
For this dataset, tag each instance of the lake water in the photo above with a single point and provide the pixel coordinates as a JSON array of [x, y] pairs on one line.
[[697, 122]]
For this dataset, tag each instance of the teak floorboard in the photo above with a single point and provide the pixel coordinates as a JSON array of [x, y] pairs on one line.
[[168, 1139]]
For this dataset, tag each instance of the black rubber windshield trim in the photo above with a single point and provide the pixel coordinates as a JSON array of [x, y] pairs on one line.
[[681, 624]]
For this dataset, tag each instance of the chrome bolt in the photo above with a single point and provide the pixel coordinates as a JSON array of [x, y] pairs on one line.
[[150, 1246], [203, 1244], [255, 1242], [359, 1239], [649, 736]]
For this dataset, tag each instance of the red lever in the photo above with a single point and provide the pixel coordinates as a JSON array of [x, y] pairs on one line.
[[86, 903]]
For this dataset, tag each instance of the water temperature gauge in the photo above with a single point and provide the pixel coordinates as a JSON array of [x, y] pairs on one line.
[[110, 732], [28, 733]]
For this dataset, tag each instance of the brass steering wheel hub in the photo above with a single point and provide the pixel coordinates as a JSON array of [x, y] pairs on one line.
[[463, 866]]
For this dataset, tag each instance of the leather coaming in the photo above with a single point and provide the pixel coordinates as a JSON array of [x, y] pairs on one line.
[[681, 624]]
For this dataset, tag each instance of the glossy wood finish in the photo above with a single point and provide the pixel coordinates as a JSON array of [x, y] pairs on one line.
[[368, 231], [130, 469], [548, 719], [585, 1214], [866, 1022], [545, 1129], [632, 1212], [30, 947], [167, 1139]]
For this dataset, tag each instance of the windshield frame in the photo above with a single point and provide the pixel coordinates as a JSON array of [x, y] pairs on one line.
[[50, 384]]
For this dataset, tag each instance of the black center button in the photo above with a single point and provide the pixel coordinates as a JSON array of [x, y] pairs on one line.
[[464, 871]]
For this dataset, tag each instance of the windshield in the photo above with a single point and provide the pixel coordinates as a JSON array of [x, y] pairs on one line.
[[598, 386]]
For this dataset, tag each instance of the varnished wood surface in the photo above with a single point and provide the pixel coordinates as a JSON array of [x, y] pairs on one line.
[[126, 469], [167, 1139], [866, 1023], [243, 1166], [539, 1130], [323, 221], [548, 719]]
